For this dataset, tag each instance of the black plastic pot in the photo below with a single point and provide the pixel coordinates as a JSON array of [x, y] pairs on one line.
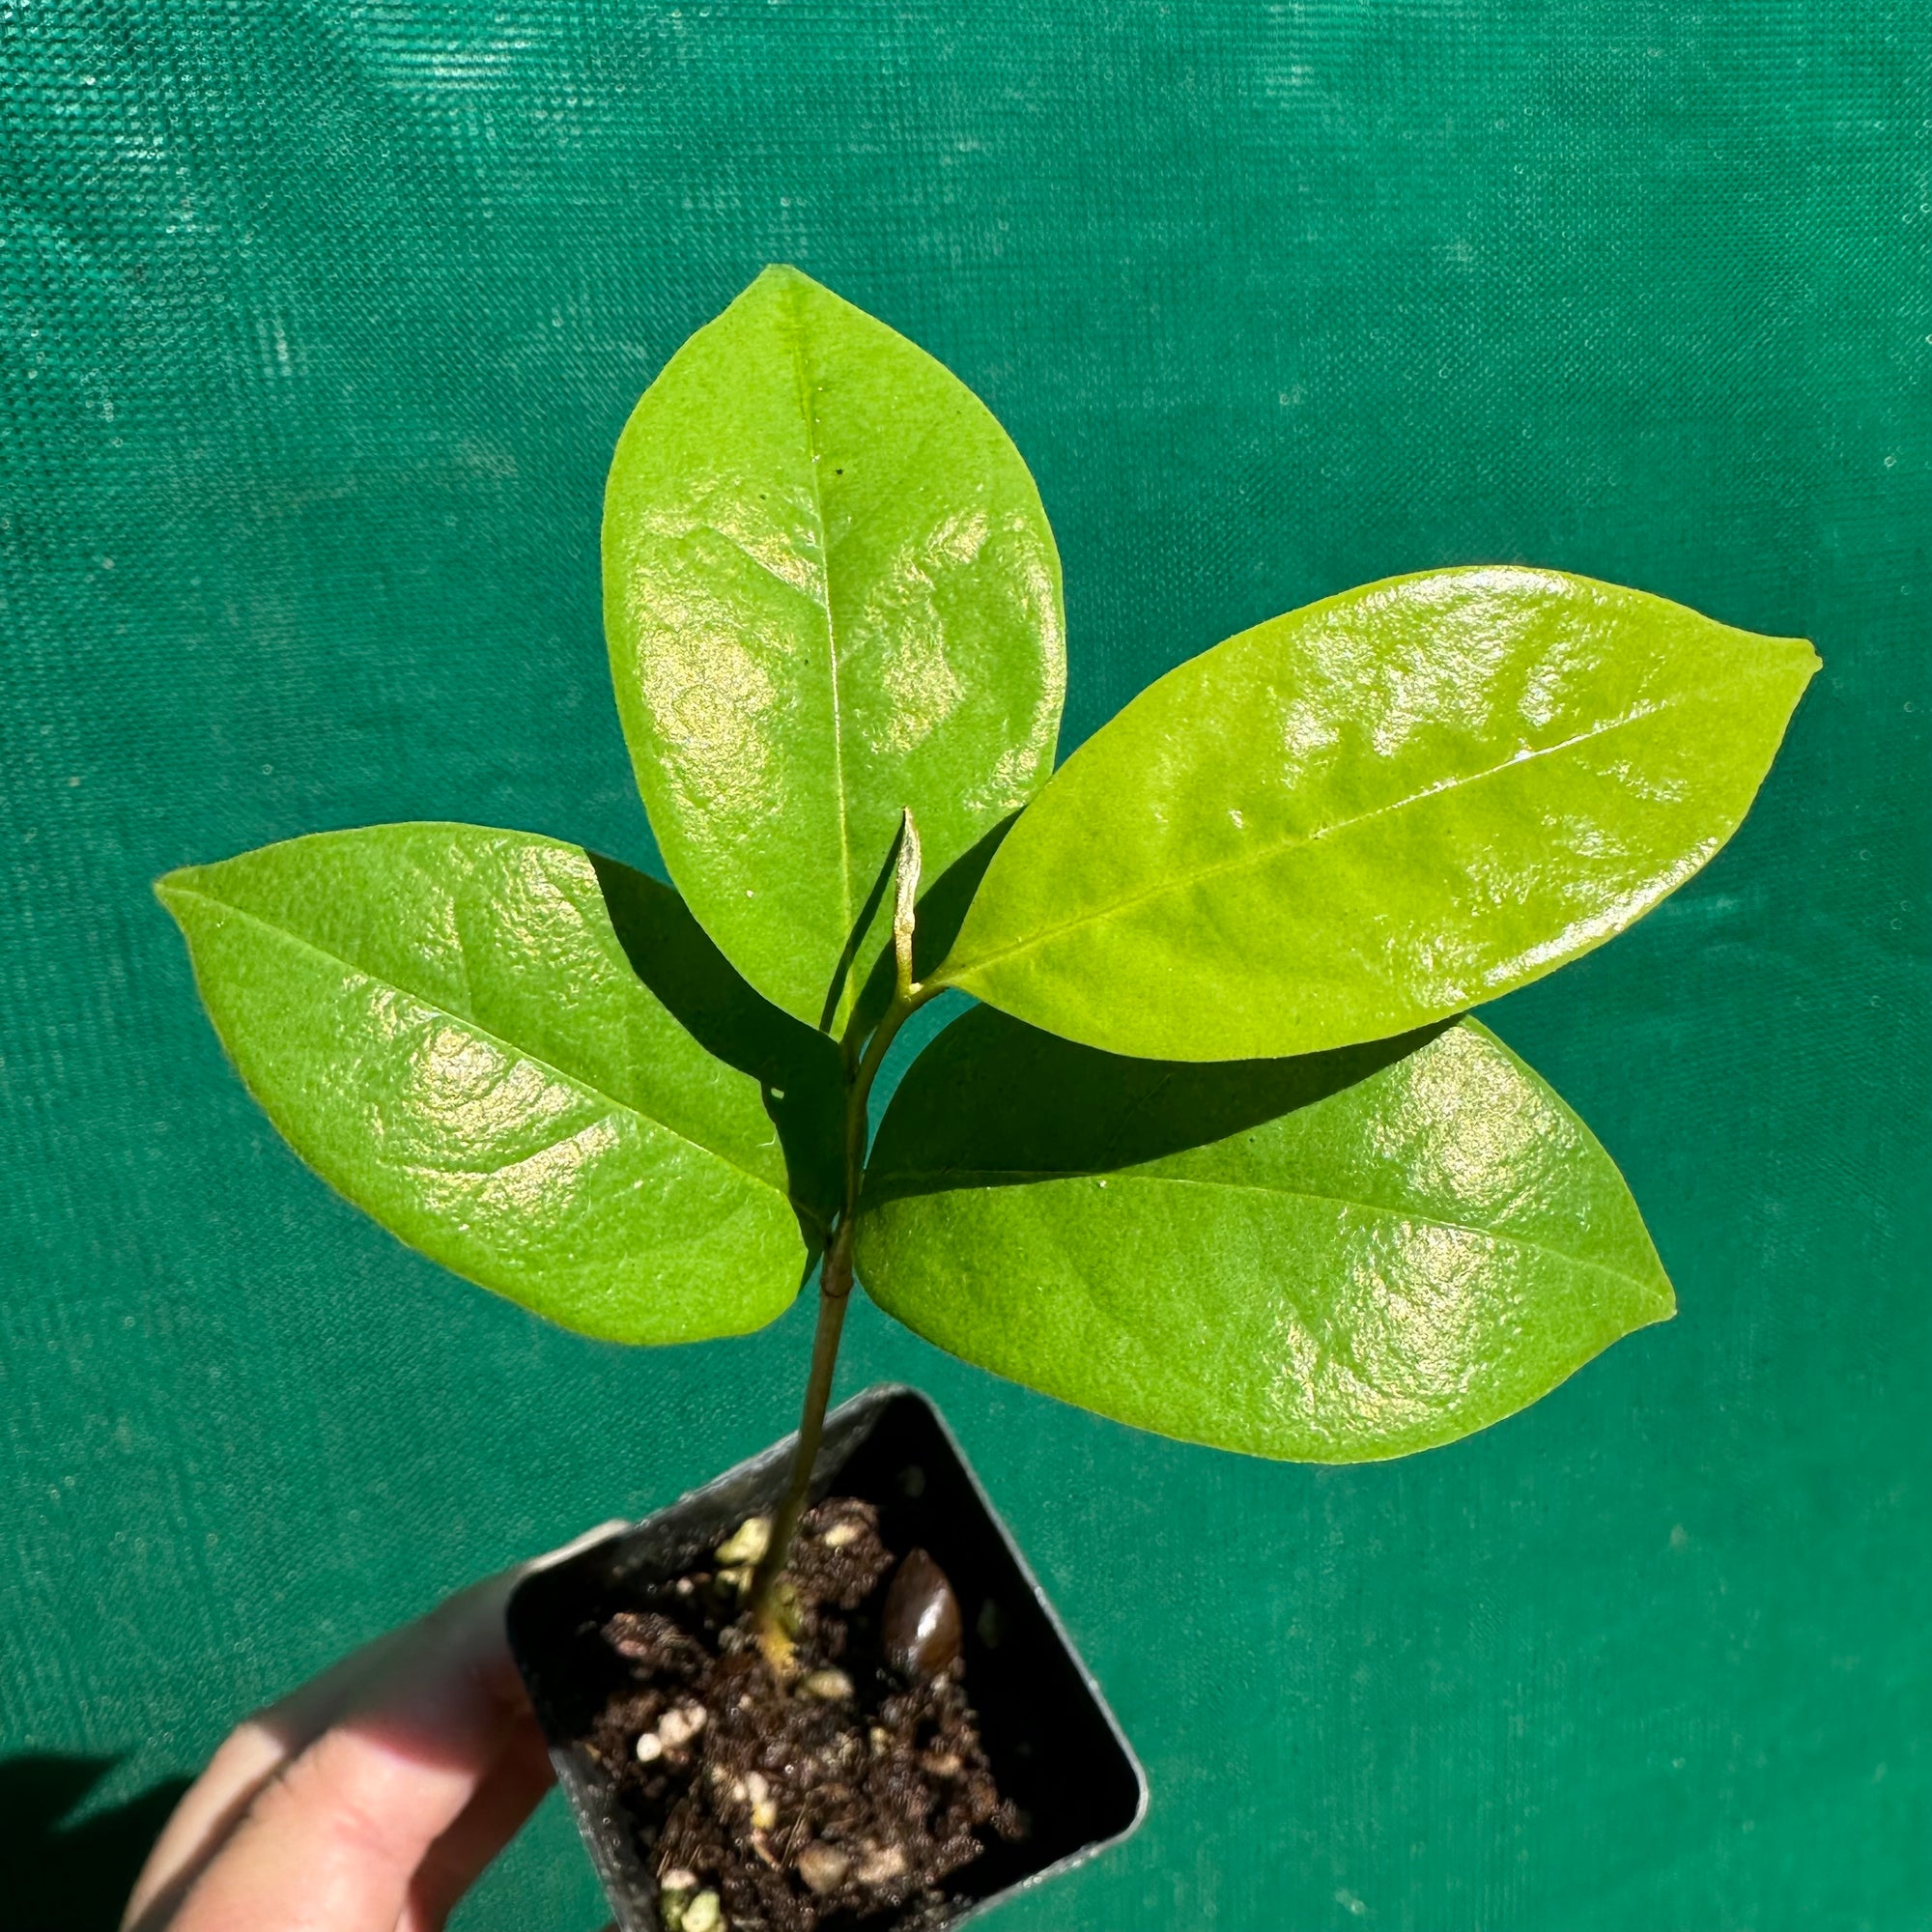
[[1054, 1745]]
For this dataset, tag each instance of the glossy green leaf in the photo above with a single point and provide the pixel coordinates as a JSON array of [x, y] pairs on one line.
[[1375, 813], [529, 1063], [1332, 1259], [831, 593]]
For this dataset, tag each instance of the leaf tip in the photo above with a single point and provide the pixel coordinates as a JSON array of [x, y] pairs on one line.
[[1798, 656], [171, 887], [777, 275], [1656, 1300]]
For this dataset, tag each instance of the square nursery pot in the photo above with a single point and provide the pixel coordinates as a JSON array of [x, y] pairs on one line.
[[1055, 1747]]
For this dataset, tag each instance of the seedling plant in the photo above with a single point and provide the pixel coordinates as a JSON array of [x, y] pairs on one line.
[[1218, 1151]]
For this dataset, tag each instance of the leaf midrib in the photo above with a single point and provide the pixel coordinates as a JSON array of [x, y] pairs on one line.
[[796, 331], [1032, 942], [955, 1178], [588, 1087]]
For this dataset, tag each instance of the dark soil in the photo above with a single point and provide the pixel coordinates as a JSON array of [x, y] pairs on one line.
[[849, 1786]]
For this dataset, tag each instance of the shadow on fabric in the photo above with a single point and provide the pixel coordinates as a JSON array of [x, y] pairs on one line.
[[57, 1876]]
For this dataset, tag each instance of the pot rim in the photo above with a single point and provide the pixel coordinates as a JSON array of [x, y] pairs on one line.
[[595, 1821]]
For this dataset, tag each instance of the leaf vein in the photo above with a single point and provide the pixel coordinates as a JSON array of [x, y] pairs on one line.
[[955, 1178], [588, 1087], [1249, 860], [751, 557], [802, 375]]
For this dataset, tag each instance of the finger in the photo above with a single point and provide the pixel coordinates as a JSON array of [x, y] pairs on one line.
[[333, 1841], [251, 1755], [500, 1809], [505, 1799], [460, 1634]]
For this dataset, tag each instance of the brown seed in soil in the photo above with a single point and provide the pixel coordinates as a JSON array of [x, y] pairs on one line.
[[921, 1621]]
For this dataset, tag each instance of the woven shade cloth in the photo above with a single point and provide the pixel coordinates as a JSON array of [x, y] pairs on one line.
[[320, 323]]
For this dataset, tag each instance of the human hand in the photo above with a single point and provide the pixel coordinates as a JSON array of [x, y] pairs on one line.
[[368, 1800]]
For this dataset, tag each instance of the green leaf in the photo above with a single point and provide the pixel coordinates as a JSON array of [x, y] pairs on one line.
[[831, 593], [1332, 1259], [529, 1063], [1375, 813]]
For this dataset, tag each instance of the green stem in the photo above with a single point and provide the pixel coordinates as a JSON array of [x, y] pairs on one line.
[[835, 1273], [835, 1291]]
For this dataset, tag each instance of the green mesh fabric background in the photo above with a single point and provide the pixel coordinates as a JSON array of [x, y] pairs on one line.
[[320, 322]]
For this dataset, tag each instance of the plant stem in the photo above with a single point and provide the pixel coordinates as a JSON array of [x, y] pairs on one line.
[[835, 1291], [835, 1273]]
